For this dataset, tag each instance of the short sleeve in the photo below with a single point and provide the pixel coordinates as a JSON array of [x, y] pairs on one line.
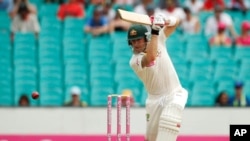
[[135, 62]]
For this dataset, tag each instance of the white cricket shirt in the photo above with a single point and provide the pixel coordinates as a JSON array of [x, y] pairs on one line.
[[160, 77]]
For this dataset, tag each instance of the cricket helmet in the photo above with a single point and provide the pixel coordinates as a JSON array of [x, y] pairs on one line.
[[137, 31]]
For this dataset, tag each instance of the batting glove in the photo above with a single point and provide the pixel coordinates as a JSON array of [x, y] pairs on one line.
[[158, 21]]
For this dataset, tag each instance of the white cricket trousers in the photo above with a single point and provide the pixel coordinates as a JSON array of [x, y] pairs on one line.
[[154, 108]]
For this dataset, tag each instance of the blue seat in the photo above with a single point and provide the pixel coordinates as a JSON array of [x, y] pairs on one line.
[[51, 23], [217, 53], [201, 70], [25, 81], [6, 96], [225, 70], [25, 38], [202, 100], [25, 53], [100, 47], [244, 70], [68, 33], [48, 10], [121, 51], [81, 68], [119, 36], [203, 15], [194, 38], [6, 81], [25, 86], [49, 52], [227, 86], [5, 38], [75, 52], [6, 53], [244, 74], [48, 37], [182, 68], [76, 76], [203, 94], [241, 53], [52, 96], [196, 51], [5, 22], [51, 71], [98, 96], [246, 89], [244, 62], [175, 50], [73, 24]]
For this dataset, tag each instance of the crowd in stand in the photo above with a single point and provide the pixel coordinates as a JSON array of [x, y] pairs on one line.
[[219, 26]]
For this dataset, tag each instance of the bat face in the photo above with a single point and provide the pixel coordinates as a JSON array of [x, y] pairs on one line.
[[134, 17]]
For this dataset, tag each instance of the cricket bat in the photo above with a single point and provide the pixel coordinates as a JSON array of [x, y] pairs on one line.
[[134, 17]]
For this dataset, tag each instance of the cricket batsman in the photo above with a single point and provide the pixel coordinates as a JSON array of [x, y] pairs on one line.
[[150, 61]]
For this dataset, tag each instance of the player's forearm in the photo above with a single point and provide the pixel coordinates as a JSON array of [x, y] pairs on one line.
[[171, 24], [172, 21], [152, 48]]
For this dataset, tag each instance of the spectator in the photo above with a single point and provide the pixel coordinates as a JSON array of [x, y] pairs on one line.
[[239, 99], [190, 24], [17, 3], [222, 99], [221, 38], [25, 21], [97, 24], [150, 9], [195, 6], [219, 16], [164, 3], [76, 98], [141, 8], [24, 101], [6, 5], [210, 4], [244, 38], [109, 12], [117, 24], [172, 10], [239, 5], [71, 9]]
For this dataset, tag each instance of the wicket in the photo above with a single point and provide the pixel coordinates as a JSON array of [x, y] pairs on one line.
[[109, 116]]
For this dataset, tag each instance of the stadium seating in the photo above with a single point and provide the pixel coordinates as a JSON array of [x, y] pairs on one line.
[[5, 22], [98, 96], [220, 52], [196, 50], [242, 53], [64, 56], [48, 10], [25, 81], [6, 83], [225, 70], [201, 70], [203, 94], [224, 85]]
